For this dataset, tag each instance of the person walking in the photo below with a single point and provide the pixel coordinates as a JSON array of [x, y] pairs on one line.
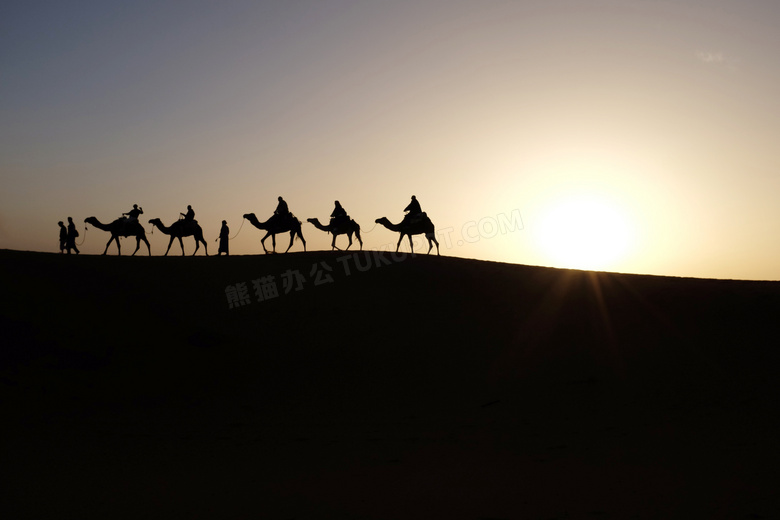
[[224, 233], [63, 237], [72, 234]]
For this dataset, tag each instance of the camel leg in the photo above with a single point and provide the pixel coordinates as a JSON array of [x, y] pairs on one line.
[[205, 245], [357, 235], [148, 247], [118, 246], [333, 243], [292, 238], [349, 237], [398, 245], [137, 245], [411, 244], [108, 244], [432, 237], [262, 242], [169, 246], [181, 243], [303, 240]]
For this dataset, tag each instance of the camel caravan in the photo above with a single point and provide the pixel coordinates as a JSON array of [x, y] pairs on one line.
[[415, 222]]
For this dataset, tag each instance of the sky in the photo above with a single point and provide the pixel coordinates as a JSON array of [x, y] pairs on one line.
[[627, 136]]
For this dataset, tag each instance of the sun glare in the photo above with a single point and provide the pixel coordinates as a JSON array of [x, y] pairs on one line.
[[584, 232]]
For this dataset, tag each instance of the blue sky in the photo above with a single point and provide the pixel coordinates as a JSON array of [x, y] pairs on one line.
[[633, 136]]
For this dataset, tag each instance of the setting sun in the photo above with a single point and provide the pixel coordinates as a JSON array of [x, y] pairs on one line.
[[584, 232]]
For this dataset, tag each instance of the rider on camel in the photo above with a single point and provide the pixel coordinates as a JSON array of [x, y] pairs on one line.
[[414, 210], [339, 215], [282, 212], [190, 215], [133, 213], [189, 218]]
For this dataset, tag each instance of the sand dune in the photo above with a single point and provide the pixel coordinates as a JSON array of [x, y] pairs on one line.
[[371, 385]]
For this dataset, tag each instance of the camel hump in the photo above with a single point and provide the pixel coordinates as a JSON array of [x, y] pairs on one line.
[[130, 226], [126, 221], [188, 225]]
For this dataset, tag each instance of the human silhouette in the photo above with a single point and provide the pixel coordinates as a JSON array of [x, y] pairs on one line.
[[339, 215], [190, 215], [414, 210], [72, 234], [224, 233], [63, 237], [133, 213], [282, 211]]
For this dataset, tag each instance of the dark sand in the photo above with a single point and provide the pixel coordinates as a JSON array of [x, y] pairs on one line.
[[423, 388]]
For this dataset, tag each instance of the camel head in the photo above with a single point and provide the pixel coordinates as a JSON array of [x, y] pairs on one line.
[[249, 215], [312, 220], [155, 222], [90, 220], [381, 220]]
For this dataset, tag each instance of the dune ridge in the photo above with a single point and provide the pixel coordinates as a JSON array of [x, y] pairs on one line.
[[374, 385]]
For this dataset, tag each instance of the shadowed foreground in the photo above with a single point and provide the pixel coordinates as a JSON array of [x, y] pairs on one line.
[[382, 386]]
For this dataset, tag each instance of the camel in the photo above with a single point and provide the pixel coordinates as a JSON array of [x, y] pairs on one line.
[[424, 226], [122, 227], [345, 228], [180, 229], [274, 226]]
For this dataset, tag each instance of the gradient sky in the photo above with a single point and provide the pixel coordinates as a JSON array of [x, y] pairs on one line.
[[631, 136]]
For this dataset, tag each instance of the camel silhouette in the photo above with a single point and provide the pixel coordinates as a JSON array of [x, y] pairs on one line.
[[179, 229], [344, 228], [419, 227], [274, 226], [122, 227]]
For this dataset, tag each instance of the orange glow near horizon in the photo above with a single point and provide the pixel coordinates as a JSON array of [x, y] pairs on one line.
[[584, 231], [638, 137]]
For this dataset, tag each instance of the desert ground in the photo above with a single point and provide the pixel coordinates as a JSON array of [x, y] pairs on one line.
[[380, 386]]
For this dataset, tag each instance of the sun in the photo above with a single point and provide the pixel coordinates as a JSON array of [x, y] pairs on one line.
[[584, 231]]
